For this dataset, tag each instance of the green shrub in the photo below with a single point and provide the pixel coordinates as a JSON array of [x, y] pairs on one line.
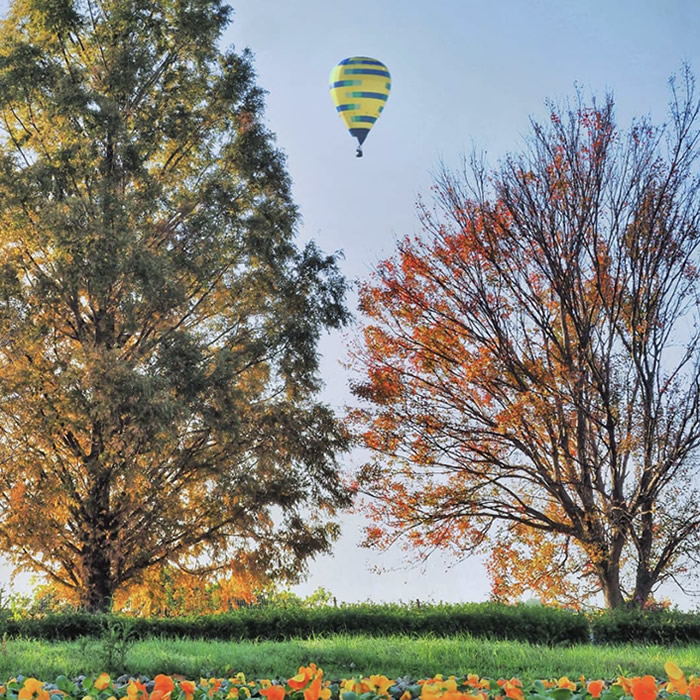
[[495, 621], [652, 627], [536, 624]]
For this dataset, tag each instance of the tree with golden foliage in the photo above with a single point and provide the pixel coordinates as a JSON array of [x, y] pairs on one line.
[[158, 324], [530, 366]]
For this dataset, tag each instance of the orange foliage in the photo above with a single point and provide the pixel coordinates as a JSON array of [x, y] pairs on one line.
[[501, 365]]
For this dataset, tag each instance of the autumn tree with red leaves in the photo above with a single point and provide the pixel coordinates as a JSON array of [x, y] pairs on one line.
[[530, 366]]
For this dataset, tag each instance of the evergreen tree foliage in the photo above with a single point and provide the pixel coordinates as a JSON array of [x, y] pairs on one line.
[[158, 324]]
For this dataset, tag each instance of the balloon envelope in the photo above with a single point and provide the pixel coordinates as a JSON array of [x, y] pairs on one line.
[[360, 87]]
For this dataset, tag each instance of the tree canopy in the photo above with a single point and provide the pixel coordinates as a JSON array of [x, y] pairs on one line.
[[529, 370], [158, 324]]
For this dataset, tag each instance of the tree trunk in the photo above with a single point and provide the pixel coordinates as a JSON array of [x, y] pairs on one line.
[[98, 584], [609, 575], [645, 580], [98, 587]]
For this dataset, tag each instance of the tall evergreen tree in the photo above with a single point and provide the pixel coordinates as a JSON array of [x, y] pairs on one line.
[[158, 325]]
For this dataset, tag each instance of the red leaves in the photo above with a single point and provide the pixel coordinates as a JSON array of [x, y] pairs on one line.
[[514, 370]]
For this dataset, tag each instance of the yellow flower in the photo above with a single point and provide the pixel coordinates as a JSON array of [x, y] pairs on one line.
[[676, 678], [234, 692], [353, 685], [430, 690], [450, 685], [102, 681], [33, 689], [564, 682], [625, 684], [135, 690], [380, 684]]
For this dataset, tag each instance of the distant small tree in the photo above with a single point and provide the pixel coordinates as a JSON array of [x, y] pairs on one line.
[[158, 324], [530, 366]]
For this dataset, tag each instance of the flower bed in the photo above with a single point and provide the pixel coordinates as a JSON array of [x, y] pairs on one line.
[[309, 684]]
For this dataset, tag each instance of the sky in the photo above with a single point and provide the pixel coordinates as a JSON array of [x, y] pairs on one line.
[[465, 74]]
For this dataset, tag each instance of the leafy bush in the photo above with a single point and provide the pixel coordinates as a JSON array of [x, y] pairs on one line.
[[652, 627], [536, 624], [496, 621]]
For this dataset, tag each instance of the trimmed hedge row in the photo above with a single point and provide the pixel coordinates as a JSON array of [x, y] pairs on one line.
[[520, 622], [658, 627], [536, 624]]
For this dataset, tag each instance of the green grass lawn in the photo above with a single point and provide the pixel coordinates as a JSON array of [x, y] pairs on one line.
[[342, 656]]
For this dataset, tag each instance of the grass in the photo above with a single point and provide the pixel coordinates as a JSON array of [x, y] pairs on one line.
[[342, 656]]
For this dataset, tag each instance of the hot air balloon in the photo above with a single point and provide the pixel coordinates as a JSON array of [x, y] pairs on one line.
[[360, 88]]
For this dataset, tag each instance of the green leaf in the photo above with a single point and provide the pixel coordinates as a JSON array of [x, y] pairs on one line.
[[612, 693], [560, 694]]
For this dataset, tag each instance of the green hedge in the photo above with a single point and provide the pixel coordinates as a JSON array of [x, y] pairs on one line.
[[653, 627], [536, 624], [521, 622]]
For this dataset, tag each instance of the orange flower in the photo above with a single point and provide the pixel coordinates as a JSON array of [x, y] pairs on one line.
[[306, 673], [478, 695], [625, 684], [473, 680], [274, 692], [595, 688], [316, 692], [188, 688], [407, 695], [457, 695], [163, 683], [513, 689], [694, 692], [644, 688]]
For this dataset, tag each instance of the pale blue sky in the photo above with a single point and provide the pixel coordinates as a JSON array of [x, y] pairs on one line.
[[464, 73]]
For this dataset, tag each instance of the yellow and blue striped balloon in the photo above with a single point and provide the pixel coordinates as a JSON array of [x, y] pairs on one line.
[[360, 88]]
